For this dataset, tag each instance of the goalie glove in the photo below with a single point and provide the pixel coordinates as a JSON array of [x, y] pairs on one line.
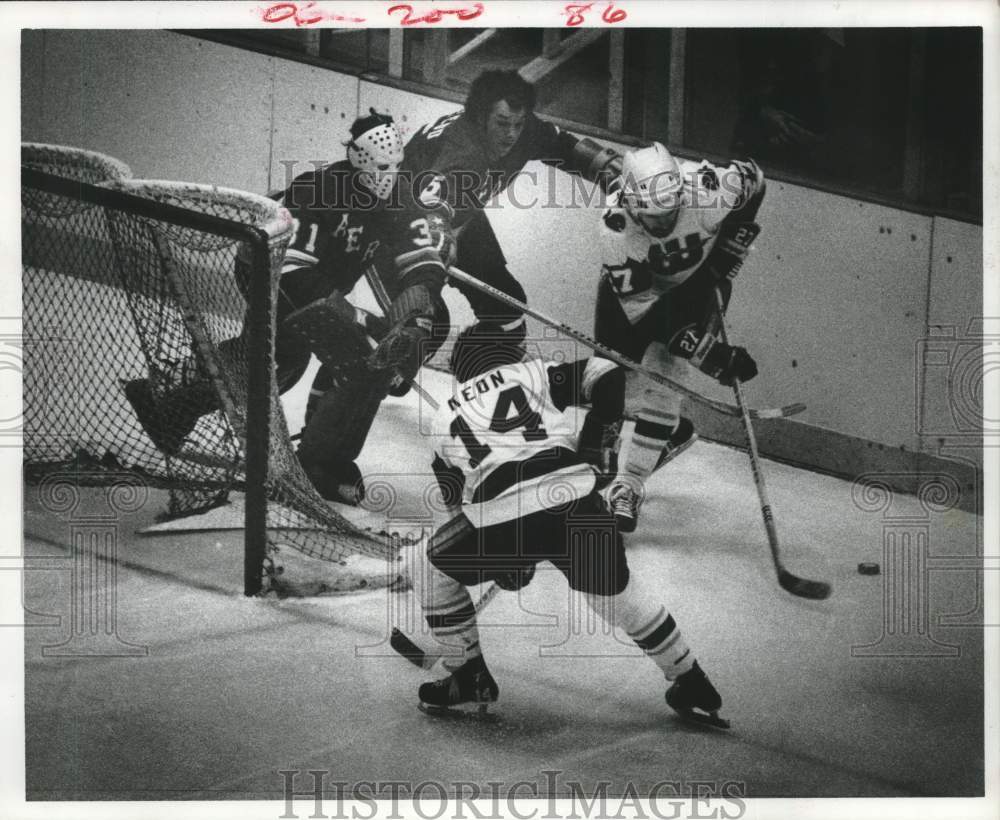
[[400, 350], [411, 317]]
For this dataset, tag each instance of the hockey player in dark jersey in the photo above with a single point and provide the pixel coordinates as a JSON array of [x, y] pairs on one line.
[[468, 157], [506, 457], [351, 220]]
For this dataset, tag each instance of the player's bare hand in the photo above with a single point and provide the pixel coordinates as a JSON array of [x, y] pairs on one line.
[[787, 129]]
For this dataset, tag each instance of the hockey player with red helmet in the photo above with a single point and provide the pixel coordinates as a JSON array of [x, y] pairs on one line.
[[676, 232]]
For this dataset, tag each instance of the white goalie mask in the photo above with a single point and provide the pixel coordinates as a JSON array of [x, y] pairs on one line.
[[377, 154], [650, 188]]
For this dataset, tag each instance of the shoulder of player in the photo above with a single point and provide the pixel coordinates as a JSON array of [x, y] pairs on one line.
[[614, 220], [326, 187], [729, 180], [455, 146]]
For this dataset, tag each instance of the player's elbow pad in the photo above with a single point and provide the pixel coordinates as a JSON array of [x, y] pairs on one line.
[[595, 162]]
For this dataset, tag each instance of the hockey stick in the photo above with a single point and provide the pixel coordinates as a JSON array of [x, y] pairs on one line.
[[802, 587], [405, 646], [720, 407]]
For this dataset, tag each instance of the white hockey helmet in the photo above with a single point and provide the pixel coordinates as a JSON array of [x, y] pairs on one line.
[[376, 151], [650, 188]]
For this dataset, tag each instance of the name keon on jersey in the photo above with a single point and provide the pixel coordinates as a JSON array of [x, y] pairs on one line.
[[472, 389]]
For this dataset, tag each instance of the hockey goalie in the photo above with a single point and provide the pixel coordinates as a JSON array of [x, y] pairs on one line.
[[353, 218]]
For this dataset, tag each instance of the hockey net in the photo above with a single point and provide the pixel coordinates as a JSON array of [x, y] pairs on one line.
[[163, 293]]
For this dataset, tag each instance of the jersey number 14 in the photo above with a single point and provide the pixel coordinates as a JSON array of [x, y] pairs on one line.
[[525, 417]]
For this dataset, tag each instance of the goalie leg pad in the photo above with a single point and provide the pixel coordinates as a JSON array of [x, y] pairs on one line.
[[331, 329], [340, 415]]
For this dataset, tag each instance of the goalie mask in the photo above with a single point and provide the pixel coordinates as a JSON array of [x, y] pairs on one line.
[[376, 151], [651, 187]]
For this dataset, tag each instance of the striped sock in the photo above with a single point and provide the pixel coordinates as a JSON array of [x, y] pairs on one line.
[[649, 436], [450, 614], [647, 622]]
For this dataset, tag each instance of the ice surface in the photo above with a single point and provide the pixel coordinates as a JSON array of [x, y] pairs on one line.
[[232, 690]]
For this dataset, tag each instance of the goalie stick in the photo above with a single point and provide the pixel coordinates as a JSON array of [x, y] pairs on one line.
[[719, 406], [803, 587]]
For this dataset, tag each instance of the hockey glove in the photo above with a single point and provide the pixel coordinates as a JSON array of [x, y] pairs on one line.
[[728, 363], [732, 249], [401, 350], [411, 319]]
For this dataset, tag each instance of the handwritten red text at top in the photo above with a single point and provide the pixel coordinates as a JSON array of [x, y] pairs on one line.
[[576, 13], [434, 15], [308, 13], [304, 14]]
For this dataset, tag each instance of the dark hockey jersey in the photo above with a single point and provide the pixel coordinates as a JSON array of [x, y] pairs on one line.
[[341, 229], [454, 148]]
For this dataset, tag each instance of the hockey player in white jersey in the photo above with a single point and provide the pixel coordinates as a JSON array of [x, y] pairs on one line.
[[675, 233], [506, 457]]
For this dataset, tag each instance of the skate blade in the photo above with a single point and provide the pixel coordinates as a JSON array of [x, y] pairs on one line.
[[474, 712], [704, 718], [666, 458]]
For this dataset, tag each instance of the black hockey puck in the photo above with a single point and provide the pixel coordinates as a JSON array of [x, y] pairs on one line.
[[869, 568]]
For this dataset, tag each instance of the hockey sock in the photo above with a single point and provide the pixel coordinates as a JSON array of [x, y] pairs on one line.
[[644, 440], [646, 621], [449, 612]]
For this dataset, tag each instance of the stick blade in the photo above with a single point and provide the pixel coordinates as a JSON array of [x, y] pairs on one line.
[[407, 648], [778, 412], [803, 587]]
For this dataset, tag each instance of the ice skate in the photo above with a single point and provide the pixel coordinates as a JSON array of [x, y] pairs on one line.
[[467, 692], [623, 504], [167, 422], [694, 698], [337, 481]]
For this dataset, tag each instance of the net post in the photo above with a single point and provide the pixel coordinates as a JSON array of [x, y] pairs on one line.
[[260, 352]]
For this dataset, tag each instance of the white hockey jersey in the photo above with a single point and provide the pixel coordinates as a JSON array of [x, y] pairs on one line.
[[512, 435], [641, 267]]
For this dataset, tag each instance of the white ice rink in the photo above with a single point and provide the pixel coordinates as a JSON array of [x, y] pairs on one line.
[[870, 693]]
